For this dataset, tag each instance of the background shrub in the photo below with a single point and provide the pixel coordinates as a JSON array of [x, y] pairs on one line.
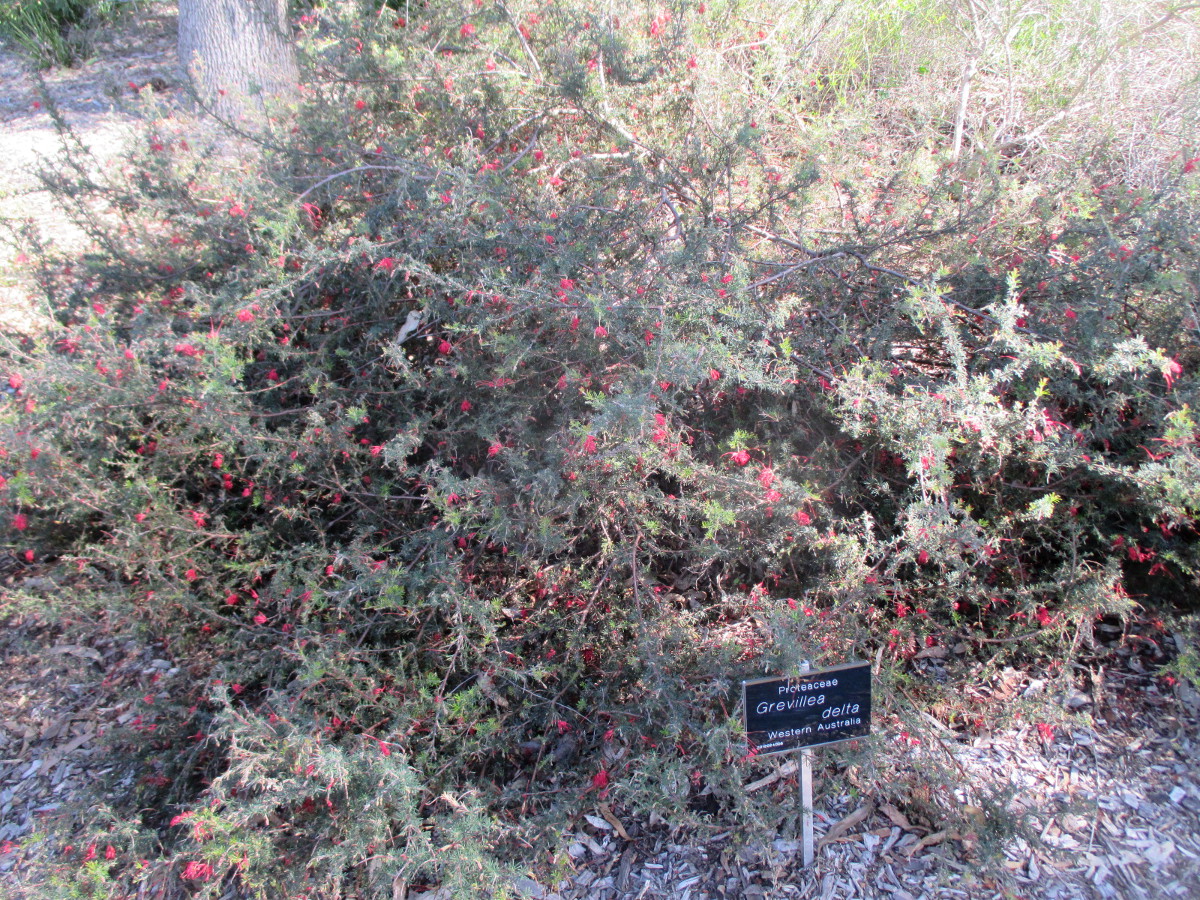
[[53, 32], [553, 368]]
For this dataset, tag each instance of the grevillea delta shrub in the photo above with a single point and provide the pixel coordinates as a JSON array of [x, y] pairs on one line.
[[473, 441]]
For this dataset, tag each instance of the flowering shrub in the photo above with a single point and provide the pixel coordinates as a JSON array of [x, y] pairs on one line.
[[528, 393]]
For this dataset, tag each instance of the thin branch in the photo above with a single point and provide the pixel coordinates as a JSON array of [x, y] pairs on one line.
[[779, 239], [796, 268], [524, 43], [336, 175]]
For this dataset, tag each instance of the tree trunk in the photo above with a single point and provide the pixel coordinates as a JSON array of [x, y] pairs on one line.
[[238, 53]]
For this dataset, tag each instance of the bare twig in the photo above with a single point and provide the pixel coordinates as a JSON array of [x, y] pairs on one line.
[[524, 43], [344, 172], [797, 267]]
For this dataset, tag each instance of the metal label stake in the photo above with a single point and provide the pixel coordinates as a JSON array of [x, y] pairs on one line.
[[806, 796]]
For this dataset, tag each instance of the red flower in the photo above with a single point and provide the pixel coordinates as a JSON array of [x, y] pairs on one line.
[[360, 104], [198, 871], [110, 852], [20, 522], [923, 557], [589, 444], [190, 575], [467, 30], [766, 477], [601, 331], [494, 449], [465, 406], [15, 381], [1174, 370], [244, 315], [385, 749], [739, 457], [444, 348], [600, 780], [802, 518], [260, 619]]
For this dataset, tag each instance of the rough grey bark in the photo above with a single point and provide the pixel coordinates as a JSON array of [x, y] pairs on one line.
[[238, 53]]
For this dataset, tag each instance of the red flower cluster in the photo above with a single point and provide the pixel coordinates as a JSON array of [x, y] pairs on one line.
[[739, 457], [198, 871]]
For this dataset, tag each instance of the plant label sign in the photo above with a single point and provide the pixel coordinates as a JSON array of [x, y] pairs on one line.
[[810, 710]]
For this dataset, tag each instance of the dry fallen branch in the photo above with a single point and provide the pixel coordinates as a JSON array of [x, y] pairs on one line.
[[855, 818]]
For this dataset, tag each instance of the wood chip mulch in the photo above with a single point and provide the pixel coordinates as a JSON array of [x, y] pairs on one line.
[[60, 698]]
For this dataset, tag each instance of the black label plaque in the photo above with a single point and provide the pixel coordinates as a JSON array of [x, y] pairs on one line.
[[810, 710]]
